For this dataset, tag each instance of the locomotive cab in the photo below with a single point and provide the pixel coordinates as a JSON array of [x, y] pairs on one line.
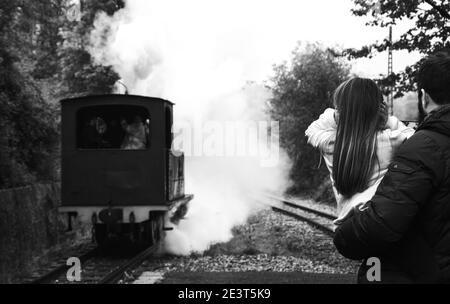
[[118, 171]]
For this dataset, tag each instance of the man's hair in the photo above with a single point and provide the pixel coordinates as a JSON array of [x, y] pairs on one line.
[[434, 77]]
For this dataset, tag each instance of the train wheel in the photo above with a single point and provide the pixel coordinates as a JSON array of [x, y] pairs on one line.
[[155, 232], [161, 226], [148, 233], [153, 219]]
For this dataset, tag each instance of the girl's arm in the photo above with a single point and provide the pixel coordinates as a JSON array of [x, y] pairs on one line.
[[399, 132], [321, 132]]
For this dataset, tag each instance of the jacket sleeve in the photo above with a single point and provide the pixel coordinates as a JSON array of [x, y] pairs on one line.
[[379, 224], [322, 131], [397, 126]]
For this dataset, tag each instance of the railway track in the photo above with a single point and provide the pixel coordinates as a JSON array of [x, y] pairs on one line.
[[99, 269], [320, 220], [96, 268], [117, 274], [55, 272]]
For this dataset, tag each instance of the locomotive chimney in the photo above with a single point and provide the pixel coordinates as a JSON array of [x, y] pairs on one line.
[[120, 87]]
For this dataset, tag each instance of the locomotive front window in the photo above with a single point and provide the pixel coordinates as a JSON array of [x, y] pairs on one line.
[[113, 127]]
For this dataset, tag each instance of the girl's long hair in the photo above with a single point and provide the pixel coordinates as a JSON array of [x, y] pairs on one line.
[[361, 114]]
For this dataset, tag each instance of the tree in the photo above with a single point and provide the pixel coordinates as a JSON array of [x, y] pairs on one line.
[[47, 38], [42, 58], [80, 76], [302, 90], [30, 28], [28, 123], [16, 19], [429, 33], [28, 129]]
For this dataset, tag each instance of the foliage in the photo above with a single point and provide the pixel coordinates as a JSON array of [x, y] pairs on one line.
[[428, 33], [301, 92], [30, 31], [28, 129], [79, 74], [28, 126], [47, 38], [42, 59]]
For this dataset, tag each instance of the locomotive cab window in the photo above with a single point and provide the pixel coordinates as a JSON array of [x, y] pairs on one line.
[[113, 127]]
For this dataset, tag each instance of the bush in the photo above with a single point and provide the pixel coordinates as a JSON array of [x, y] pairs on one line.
[[28, 129], [302, 90]]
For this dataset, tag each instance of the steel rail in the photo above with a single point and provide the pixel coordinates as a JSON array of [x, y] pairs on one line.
[[114, 276], [303, 207], [303, 217], [60, 270]]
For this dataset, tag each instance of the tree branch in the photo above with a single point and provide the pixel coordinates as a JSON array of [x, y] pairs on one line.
[[440, 10]]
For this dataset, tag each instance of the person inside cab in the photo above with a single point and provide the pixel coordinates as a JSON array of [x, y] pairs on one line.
[[135, 134]]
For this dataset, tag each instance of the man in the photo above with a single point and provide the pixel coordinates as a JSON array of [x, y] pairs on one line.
[[413, 200], [136, 135]]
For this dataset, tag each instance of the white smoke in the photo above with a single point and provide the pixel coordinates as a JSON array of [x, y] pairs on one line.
[[192, 54]]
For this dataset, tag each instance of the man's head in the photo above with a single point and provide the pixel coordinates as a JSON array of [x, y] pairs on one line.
[[433, 80], [137, 119]]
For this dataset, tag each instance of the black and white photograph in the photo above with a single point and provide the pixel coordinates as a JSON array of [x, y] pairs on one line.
[[221, 150]]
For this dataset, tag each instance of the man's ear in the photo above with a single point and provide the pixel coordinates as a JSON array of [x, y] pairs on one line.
[[425, 99], [428, 102], [421, 111]]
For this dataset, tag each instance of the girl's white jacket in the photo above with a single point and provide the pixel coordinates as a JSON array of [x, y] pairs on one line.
[[322, 134]]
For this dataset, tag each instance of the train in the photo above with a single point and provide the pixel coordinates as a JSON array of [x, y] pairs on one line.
[[119, 172]]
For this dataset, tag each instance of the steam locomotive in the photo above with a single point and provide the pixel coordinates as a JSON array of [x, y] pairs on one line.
[[118, 169]]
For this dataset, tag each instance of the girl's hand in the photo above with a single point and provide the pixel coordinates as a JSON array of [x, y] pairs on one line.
[[336, 116], [383, 115]]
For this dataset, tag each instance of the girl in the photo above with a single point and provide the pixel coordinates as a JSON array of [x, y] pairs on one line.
[[357, 140]]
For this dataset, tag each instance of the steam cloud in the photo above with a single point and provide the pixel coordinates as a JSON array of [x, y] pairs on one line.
[[202, 62]]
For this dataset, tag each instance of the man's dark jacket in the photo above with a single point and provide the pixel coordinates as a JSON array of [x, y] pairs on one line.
[[414, 197]]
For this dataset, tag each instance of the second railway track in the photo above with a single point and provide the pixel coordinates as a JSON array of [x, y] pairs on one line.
[[320, 220]]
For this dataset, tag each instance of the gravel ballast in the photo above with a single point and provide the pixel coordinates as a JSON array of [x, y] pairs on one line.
[[268, 242]]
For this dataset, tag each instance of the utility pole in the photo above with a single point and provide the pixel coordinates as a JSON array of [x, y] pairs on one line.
[[390, 97]]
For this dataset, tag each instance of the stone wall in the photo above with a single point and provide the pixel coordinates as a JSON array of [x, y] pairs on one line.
[[29, 225]]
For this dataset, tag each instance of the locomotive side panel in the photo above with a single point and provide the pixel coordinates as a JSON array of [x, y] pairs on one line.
[[176, 176]]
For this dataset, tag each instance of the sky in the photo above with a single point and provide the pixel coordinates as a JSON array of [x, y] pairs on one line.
[[247, 37], [266, 31]]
